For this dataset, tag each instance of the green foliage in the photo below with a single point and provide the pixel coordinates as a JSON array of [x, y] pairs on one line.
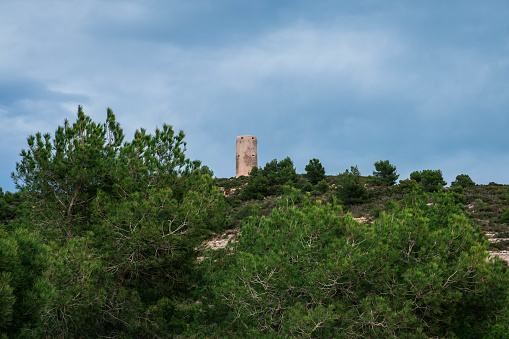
[[309, 271], [229, 183], [270, 179], [351, 190], [62, 178], [384, 174], [125, 220], [268, 276], [479, 205], [279, 174], [150, 239], [407, 185], [504, 218], [463, 180], [8, 254], [103, 236], [9, 203], [257, 185], [354, 170], [392, 206], [314, 171], [429, 180], [504, 194], [318, 189], [307, 187], [499, 246], [24, 289], [375, 212], [500, 330], [172, 316], [322, 186], [89, 302]]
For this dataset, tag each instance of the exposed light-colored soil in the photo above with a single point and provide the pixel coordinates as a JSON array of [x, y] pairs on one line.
[[219, 242], [362, 219], [229, 192], [504, 255], [224, 239], [492, 237]]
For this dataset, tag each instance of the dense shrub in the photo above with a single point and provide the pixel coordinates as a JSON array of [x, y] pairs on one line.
[[311, 271], [24, 287], [407, 185], [322, 186], [351, 189], [257, 185], [314, 171], [280, 173], [384, 174], [429, 180], [463, 180], [270, 179], [504, 218]]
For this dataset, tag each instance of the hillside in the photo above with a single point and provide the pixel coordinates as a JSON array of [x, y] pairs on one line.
[[483, 204], [107, 238]]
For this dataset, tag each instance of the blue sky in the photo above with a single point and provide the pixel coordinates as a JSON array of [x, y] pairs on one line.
[[424, 84]]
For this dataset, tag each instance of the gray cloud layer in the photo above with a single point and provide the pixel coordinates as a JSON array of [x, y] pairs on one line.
[[422, 84]]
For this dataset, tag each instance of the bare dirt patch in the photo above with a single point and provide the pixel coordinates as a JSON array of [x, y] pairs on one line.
[[219, 242], [504, 255], [362, 219]]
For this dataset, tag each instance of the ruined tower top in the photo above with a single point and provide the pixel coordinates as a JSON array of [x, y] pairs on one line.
[[246, 155]]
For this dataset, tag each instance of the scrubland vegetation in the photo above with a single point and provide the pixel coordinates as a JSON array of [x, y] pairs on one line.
[[103, 236]]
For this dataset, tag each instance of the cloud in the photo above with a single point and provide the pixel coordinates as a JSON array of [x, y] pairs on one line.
[[20, 91], [28, 105], [346, 82]]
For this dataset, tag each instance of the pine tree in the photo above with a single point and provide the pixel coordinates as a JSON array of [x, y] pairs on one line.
[[314, 171], [384, 174], [125, 219]]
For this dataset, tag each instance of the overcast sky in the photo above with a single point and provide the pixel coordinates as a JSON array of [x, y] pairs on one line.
[[424, 84]]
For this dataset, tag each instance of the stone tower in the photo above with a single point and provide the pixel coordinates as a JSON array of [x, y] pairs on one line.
[[246, 156]]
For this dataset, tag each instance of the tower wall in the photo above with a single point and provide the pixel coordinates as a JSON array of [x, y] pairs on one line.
[[246, 155]]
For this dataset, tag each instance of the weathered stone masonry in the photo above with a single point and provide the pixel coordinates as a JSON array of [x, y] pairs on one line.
[[246, 155]]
